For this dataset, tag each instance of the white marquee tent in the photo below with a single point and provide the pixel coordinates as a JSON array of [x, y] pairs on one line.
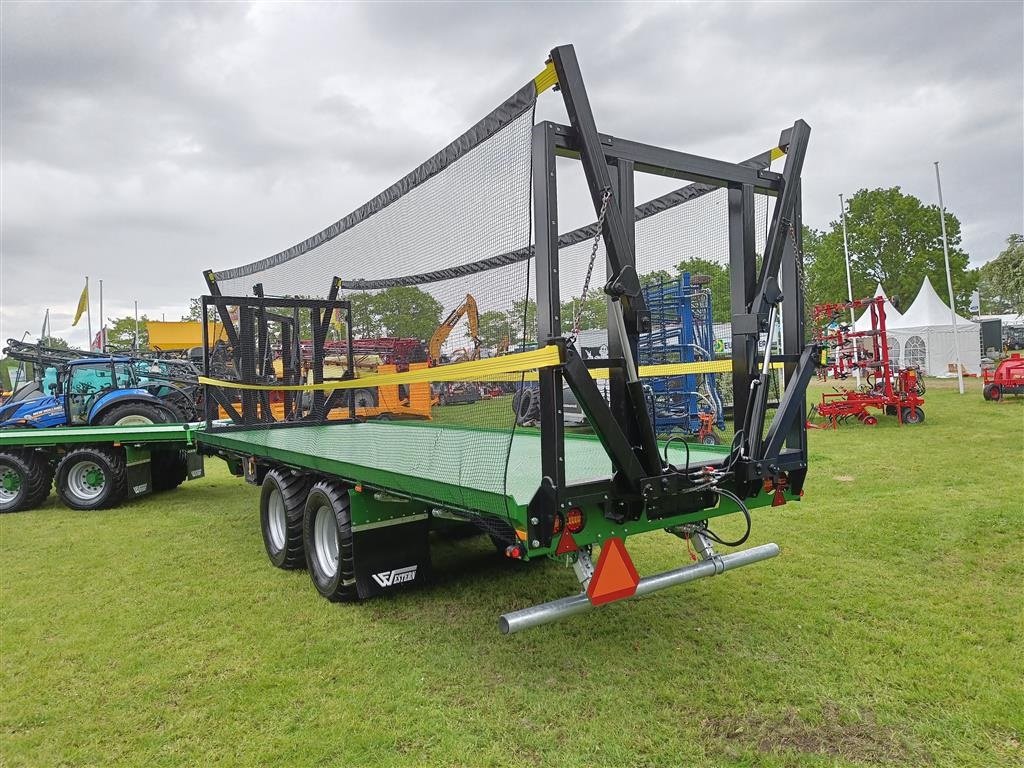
[[892, 315], [924, 336]]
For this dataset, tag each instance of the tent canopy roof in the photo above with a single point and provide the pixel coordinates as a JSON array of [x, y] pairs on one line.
[[928, 311], [892, 315]]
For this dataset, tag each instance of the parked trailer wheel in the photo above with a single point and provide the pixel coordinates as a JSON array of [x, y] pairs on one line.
[[327, 536], [25, 481], [995, 392], [92, 478], [986, 392], [912, 415], [282, 506], [711, 439], [168, 469]]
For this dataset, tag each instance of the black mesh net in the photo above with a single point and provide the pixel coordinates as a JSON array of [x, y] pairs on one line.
[[435, 271]]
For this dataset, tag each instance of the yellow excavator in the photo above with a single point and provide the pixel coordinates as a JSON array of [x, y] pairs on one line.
[[456, 392], [467, 309]]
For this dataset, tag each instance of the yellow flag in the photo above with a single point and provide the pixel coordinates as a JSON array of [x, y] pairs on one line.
[[83, 303]]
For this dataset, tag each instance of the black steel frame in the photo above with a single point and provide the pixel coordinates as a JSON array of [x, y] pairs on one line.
[[623, 426], [254, 363]]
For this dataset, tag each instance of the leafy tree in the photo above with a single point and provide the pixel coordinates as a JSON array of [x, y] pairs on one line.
[[55, 342], [523, 319], [593, 311], [365, 321], [895, 240], [407, 311], [495, 326], [1001, 281], [121, 333], [195, 311]]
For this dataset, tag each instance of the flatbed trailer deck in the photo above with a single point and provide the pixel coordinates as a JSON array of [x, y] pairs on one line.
[[94, 467]]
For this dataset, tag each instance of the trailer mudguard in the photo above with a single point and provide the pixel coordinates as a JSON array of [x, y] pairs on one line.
[[390, 542]]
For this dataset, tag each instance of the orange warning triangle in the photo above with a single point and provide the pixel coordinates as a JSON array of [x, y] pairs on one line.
[[615, 576], [566, 543]]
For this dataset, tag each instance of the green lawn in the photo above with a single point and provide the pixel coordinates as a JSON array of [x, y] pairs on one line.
[[889, 631]]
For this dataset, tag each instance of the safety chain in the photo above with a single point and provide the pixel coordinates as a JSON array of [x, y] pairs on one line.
[[606, 195]]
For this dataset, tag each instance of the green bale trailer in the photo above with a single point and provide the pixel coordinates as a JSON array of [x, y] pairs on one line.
[[94, 467]]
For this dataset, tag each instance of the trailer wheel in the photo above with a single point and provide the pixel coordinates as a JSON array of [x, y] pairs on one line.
[[327, 535], [282, 504], [711, 439], [132, 414], [92, 478], [25, 481], [996, 392], [364, 398], [912, 415], [168, 469], [986, 391]]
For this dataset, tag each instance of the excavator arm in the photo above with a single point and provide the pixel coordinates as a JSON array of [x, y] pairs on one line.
[[467, 309]]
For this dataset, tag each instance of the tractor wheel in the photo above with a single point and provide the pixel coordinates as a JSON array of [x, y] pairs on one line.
[[995, 392], [282, 505], [168, 469], [25, 481], [870, 420], [133, 414], [912, 415], [986, 392], [529, 407], [516, 398], [327, 536], [92, 478], [711, 439]]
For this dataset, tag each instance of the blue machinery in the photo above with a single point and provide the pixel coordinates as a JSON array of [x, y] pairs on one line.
[[682, 331]]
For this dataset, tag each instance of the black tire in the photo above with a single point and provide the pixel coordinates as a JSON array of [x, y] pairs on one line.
[[282, 506], [912, 415], [995, 392], [134, 413], [986, 392], [25, 480], [529, 407], [328, 502], [168, 469], [515, 401], [711, 439], [92, 478]]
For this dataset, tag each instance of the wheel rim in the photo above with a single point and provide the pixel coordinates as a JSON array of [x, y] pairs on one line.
[[276, 520], [133, 420], [10, 484], [325, 541], [86, 480]]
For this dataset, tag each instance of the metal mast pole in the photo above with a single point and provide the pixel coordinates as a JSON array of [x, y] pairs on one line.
[[103, 327], [849, 285], [88, 312], [136, 345], [949, 282]]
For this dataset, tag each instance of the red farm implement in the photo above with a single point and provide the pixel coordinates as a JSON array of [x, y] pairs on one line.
[[847, 351], [1006, 379]]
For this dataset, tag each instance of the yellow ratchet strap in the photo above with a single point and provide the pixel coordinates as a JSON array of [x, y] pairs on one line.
[[490, 369], [546, 78]]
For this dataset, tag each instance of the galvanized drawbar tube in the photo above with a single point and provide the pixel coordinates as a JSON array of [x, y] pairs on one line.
[[545, 613]]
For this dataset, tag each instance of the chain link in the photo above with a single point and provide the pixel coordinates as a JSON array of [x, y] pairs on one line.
[[578, 315]]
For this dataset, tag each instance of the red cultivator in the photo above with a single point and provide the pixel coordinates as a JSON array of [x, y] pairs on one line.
[[1006, 379], [846, 351]]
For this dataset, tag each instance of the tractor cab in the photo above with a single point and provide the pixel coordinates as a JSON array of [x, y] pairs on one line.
[[85, 382]]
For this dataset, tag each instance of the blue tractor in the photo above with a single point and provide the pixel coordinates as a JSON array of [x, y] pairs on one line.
[[106, 391]]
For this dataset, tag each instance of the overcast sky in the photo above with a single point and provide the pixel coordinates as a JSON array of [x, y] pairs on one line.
[[142, 143]]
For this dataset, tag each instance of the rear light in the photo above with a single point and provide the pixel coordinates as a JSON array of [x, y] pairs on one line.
[[574, 520], [556, 527]]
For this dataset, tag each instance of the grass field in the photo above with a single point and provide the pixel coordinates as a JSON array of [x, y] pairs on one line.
[[889, 631]]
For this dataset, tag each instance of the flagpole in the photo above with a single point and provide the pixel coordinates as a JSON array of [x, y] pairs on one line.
[[43, 335], [103, 336], [88, 312], [949, 281], [136, 328], [849, 286]]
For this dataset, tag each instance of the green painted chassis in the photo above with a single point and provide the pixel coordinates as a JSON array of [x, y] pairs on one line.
[[394, 472]]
